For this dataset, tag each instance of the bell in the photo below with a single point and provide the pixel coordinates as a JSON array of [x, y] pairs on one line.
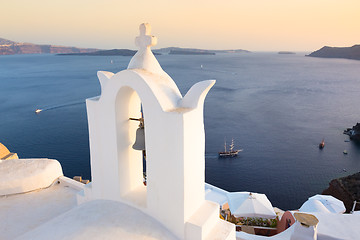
[[140, 139]]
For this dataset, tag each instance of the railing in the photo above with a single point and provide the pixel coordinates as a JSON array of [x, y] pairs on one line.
[[354, 205]]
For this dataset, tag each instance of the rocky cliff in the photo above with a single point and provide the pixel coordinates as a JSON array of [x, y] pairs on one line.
[[354, 132], [338, 52], [347, 189], [8, 47]]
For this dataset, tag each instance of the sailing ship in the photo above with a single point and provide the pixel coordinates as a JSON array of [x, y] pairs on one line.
[[231, 152], [322, 144]]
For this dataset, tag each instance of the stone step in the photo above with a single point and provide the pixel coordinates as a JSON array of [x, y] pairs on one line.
[[222, 231], [203, 221]]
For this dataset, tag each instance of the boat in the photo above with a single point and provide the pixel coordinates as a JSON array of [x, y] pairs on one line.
[[322, 144], [231, 152], [38, 110], [345, 152]]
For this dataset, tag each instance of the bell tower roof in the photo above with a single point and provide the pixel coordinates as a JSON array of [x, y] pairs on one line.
[[144, 58]]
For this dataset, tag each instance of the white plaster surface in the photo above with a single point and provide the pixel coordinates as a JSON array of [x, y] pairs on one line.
[[215, 194], [302, 232], [101, 219], [21, 213], [24, 175], [338, 226]]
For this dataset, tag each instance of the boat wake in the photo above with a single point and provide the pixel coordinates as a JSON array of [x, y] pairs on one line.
[[224, 89], [211, 155], [219, 71], [38, 110]]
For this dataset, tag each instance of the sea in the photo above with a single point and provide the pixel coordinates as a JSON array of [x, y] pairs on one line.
[[276, 107]]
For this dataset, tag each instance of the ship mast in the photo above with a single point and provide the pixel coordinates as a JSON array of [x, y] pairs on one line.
[[232, 145]]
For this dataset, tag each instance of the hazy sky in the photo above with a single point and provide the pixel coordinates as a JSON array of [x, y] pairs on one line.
[[256, 25]]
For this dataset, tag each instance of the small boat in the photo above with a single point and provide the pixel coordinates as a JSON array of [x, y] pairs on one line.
[[38, 110], [322, 144], [345, 152], [231, 152]]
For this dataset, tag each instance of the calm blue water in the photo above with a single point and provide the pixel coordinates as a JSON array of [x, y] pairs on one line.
[[276, 107]]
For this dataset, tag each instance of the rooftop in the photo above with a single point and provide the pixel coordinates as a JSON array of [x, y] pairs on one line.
[[27, 211], [52, 213], [100, 219]]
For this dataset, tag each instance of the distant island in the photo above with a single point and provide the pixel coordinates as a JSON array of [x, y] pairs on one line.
[[286, 52], [169, 50], [8, 47], [337, 52], [195, 51], [177, 52], [112, 52]]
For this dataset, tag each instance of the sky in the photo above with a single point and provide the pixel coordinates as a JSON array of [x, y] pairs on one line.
[[255, 25]]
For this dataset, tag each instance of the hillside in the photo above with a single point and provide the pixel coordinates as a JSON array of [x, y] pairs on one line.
[[177, 52], [112, 52], [338, 52], [8, 47], [4, 41], [195, 51], [347, 189]]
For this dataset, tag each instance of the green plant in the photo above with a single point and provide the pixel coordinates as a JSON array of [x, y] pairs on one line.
[[261, 222]]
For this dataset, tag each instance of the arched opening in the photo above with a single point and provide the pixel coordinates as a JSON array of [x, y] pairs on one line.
[[130, 160], [139, 143]]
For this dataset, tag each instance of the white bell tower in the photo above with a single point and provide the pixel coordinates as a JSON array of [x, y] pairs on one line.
[[175, 146]]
